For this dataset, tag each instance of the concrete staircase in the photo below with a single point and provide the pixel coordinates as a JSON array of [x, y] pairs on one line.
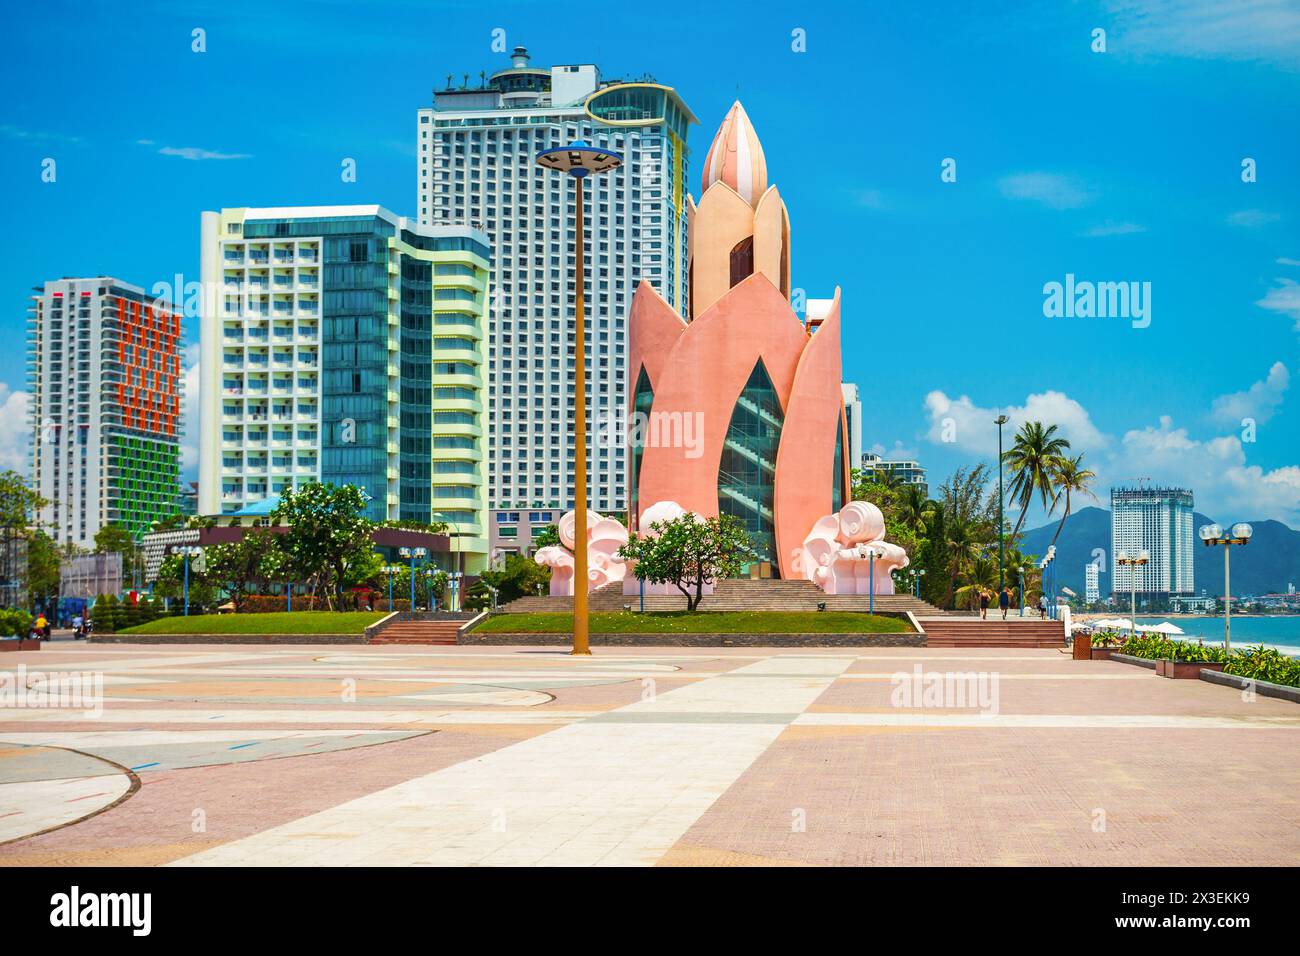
[[740, 594], [954, 631], [418, 632]]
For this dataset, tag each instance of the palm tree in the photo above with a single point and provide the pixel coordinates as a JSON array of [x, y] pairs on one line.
[[915, 510], [1033, 461], [980, 575], [1071, 476]]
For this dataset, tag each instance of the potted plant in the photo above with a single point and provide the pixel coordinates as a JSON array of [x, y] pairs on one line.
[[1104, 643], [1185, 661]]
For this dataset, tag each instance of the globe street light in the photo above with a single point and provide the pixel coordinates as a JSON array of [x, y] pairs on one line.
[[413, 554], [1213, 534], [1133, 561], [580, 160], [187, 554]]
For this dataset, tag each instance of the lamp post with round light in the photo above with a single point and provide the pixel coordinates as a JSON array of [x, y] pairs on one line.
[[579, 160], [1212, 534], [188, 554], [412, 554], [1133, 562], [1000, 421]]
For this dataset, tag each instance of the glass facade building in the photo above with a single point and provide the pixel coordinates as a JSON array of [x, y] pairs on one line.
[[347, 347]]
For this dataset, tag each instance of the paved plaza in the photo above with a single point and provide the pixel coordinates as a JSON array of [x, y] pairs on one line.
[[337, 755]]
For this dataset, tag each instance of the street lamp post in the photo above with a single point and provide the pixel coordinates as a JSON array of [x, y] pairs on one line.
[[1000, 421], [1133, 562], [1213, 534], [1021, 572], [580, 160], [412, 554], [187, 555]]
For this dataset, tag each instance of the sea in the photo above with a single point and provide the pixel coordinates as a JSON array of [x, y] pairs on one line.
[[1282, 632]]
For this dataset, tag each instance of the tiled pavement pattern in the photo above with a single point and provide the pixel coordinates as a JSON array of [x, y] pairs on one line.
[[498, 756]]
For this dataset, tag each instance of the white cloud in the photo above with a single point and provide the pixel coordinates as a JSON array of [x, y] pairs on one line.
[[190, 442], [1051, 189], [1264, 30], [1225, 486], [1284, 261], [15, 430], [1109, 228], [1252, 218], [971, 427], [1259, 401], [1285, 298], [194, 152]]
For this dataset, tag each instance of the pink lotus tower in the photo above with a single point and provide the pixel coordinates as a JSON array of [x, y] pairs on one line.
[[737, 407]]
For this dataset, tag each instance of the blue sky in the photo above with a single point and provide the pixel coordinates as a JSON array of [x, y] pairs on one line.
[[1123, 165]]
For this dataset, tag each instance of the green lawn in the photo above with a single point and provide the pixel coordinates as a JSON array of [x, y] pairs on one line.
[[702, 622], [280, 622]]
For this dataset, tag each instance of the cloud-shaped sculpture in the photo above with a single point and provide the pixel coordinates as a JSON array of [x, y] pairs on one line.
[[844, 551], [603, 539]]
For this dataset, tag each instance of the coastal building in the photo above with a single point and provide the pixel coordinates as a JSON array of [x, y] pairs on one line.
[[905, 471], [1091, 582], [853, 419], [1160, 521], [742, 399], [345, 345], [477, 149], [104, 375]]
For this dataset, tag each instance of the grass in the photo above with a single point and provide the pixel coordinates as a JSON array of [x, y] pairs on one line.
[[280, 622], [702, 622]]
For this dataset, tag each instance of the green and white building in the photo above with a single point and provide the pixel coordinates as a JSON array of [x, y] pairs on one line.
[[103, 372], [345, 344]]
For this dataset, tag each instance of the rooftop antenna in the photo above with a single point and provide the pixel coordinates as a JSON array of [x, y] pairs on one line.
[[1139, 480]]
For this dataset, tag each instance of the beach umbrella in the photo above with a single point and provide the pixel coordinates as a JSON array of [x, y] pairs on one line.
[[1165, 627]]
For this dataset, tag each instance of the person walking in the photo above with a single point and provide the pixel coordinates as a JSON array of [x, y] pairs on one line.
[[1004, 602], [984, 605], [1042, 609]]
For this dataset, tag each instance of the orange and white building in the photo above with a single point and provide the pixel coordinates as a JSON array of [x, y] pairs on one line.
[[105, 380]]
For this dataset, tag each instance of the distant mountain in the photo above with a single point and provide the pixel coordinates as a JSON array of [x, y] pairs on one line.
[[1268, 564]]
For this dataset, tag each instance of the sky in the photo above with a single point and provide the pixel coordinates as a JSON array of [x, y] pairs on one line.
[[1163, 151]]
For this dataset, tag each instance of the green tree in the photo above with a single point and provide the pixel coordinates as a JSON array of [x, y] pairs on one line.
[[1034, 460], [550, 535], [43, 562], [113, 537], [689, 553], [519, 576], [326, 532], [17, 501], [244, 566]]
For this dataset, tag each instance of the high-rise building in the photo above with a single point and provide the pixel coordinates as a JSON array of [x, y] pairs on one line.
[[853, 416], [1160, 521], [105, 380], [1091, 582], [905, 471], [477, 163], [344, 344]]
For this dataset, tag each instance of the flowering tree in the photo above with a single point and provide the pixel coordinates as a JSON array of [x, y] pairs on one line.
[[688, 553]]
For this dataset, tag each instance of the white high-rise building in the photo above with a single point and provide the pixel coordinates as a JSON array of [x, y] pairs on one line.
[[1091, 582], [477, 163], [105, 381], [1158, 520]]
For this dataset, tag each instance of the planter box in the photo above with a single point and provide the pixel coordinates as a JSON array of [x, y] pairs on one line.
[[1103, 653], [1184, 670], [21, 645], [1261, 687], [1082, 647]]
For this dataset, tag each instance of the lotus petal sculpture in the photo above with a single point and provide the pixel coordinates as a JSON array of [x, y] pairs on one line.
[[844, 551], [737, 407], [603, 539]]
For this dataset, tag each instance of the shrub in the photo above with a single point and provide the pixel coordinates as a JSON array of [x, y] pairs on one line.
[[15, 622], [1266, 664]]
